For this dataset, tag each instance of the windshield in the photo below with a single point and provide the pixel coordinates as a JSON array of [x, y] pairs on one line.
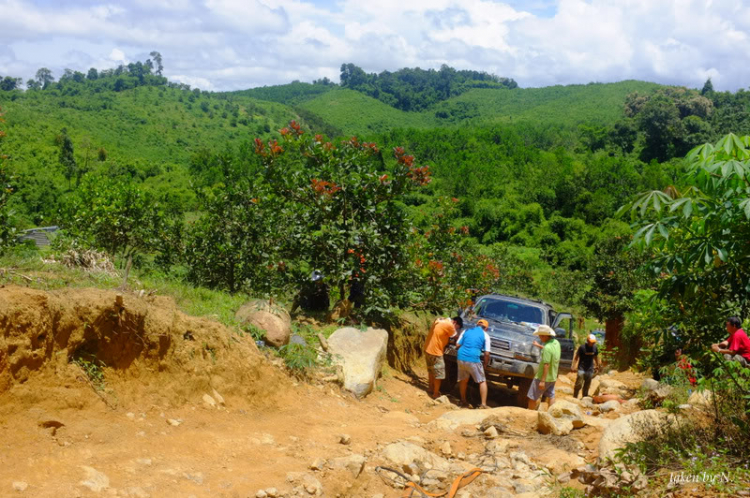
[[506, 311]]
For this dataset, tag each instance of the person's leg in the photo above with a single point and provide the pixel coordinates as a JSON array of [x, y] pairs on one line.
[[534, 394], [439, 375], [587, 376], [462, 386], [430, 373], [483, 392], [550, 393], [579, 384]]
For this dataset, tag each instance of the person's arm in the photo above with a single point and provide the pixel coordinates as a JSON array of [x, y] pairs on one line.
[[486, 359], [574, 365], [540, 346], [722, 348]]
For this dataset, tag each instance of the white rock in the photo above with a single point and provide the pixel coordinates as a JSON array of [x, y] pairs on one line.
[[632, 428], [361, 354], [209, 401], [611, 386], [318, 464], [491, 432], [507, 415], [701, 399], [345, 439], [446, 449], [650, 384], [272, 492], [261, 494], [218, 397], [353, 463], [609, 406], [20, 486], [564, 390], [130, 415], [560, 418], [94, 480], [404, 455], [174, 422]]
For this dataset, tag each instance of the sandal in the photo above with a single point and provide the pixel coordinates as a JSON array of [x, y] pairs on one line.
[[483, 407]]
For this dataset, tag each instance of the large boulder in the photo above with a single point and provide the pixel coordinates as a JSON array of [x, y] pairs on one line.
[[632, 428], [361, 355], [273, 320], [560, 419], [611, 386]]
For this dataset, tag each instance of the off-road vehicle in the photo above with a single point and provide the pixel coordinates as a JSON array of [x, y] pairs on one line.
[[513, 357]]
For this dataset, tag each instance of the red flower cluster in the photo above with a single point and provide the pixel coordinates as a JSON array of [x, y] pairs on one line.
[[322, 187], [420, 176], [274, 148], [318, 138]]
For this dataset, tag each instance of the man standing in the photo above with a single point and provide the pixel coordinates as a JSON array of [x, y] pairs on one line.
[[440, 333], [471, 344], [586, 362], [546, 374], [737, 346]]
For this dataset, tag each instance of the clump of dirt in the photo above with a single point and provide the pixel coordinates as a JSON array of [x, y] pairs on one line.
[[56, 347]]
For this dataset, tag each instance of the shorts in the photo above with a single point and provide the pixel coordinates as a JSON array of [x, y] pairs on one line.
[[535, 393], [467, 369], [435, 365]]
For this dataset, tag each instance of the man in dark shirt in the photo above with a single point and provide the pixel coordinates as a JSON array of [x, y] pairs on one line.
[[586, 361]]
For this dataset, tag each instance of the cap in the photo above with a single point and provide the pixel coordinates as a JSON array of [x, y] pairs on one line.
[[591, 338], [544, 330], [483, 323]]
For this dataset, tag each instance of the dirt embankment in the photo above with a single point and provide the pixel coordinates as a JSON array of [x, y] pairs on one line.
[[56, 347]]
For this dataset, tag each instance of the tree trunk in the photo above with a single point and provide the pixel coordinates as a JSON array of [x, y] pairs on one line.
[[128, 265], [613, 328]]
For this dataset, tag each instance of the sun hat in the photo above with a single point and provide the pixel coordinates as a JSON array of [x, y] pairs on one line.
[[483, 322], [591, 339], [544, 330]]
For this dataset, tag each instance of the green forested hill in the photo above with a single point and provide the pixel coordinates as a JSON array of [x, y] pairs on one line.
[[600, 104]]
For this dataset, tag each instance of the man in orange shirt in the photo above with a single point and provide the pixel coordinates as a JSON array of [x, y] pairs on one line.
[[440, 333]]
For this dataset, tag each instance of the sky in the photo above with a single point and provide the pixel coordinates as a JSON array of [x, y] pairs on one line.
[[237, 44]]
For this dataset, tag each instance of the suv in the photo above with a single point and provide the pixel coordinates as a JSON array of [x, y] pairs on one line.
[[513, 358]]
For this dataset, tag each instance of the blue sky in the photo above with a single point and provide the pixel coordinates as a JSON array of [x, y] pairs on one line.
[[236, 44]]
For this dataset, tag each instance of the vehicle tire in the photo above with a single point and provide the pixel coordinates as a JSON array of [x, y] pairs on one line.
[[451, 378], [523, 390]]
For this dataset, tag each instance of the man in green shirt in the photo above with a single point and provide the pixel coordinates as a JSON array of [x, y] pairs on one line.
[[546, 374]]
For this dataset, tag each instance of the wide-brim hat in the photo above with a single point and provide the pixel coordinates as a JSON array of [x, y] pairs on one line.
[[544, 330]]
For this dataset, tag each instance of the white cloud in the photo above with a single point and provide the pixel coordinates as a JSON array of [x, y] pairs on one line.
[[233, 44]]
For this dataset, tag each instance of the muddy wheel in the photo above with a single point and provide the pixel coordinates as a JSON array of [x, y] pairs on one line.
[[523, 389]]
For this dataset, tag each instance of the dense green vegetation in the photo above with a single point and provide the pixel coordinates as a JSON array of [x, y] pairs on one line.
[[444, 191], [418, 89]]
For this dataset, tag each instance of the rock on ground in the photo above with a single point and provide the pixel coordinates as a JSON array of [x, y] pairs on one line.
[[701, 399], [361, 354], [96, 481], [273, 320], [632, 428], [560, 419], [611, 386], [353, 463], [609, 406], [508, 415], [406, 455]]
